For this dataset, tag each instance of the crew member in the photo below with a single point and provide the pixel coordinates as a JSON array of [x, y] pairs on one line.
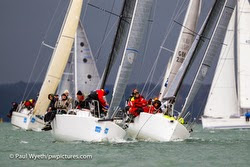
[[98, 95], [154, 108], [79, 103], [136, 105]]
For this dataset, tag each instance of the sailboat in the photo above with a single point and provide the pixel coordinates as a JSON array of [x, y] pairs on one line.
[[83, 125], [32, 119], [207, 43], [229, 95], [159, 127]]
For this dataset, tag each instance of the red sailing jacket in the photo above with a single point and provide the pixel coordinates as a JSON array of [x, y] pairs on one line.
[[100, 93], [152, 110], [136, 103]]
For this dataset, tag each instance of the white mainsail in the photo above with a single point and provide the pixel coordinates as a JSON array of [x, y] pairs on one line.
[[184, 43], [140, 17], [222, 100], [60, 56], [81, 72], [243, 53], [86, 73]]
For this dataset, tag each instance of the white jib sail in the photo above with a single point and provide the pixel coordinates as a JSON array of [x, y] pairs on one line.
[[60, 56], [184, 43], [222, 100]]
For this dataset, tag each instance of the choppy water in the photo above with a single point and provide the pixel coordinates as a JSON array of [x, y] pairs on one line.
[[204, 148]]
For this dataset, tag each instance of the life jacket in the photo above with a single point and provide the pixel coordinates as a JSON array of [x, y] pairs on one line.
[[138, 102], [27, 104]]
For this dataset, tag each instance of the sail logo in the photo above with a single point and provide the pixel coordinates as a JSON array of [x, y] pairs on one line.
[[98, 129], [25, 120], [204, 71], [131, 57], [33, 120], [106, 130], [166, 83]]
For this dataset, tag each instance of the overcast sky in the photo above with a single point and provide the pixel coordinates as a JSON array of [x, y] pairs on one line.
[[24, 25]]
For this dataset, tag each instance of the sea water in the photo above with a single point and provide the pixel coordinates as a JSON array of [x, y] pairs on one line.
[[204, 148]]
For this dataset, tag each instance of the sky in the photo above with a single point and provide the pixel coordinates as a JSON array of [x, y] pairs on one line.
[[25, 24]]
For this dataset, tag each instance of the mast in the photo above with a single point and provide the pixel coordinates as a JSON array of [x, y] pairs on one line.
[[76, 65], [184, 43], [60, 56], [119, 39], [213, 48], [140, 16]]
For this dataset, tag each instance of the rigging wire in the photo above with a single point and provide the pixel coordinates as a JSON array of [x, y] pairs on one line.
[[181, 10], [106, 28], [156, 60], [39, 51], [145, 50], [106, 34], [39, 75], [85, 11], [176, 14]]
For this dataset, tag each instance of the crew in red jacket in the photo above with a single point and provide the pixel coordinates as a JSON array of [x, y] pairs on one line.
[[137, 104], [98, 95], [154, 108]]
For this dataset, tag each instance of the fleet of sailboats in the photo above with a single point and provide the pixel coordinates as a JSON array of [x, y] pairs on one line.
[[72, 67]]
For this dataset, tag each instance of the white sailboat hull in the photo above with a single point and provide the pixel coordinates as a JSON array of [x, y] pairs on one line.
[[155, 127], [85, 127], [225, 123], [26, 121]]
